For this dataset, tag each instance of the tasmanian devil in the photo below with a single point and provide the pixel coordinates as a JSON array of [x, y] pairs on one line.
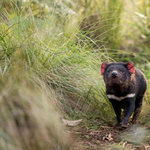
[[125, 88]]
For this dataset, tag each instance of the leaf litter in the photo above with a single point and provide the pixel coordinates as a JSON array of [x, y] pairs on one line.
[[135, 137]]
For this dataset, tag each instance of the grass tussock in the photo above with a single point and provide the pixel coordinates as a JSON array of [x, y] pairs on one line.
[[45, 72], [28, 115], [60, 58]]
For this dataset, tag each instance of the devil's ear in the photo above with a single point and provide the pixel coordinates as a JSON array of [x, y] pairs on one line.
[[103, 67], [130, 67]]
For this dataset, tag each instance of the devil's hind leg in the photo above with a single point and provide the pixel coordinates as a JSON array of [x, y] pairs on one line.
[[138, 108]]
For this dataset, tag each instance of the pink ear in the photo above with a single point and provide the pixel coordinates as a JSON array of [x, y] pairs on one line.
[[130, 66], [103, 67]]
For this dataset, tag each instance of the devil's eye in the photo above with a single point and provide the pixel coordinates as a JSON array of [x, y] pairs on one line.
[[108, 71], [121, 71]]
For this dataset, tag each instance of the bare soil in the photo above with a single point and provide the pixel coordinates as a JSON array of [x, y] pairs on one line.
[[135, 137]]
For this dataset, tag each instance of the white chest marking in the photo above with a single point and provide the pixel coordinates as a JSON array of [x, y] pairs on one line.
[[110, 96]]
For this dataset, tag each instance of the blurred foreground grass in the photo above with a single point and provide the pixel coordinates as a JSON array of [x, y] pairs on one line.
[[28, 116]]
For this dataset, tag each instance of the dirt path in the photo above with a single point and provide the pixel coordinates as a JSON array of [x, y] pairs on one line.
[[135, 137]]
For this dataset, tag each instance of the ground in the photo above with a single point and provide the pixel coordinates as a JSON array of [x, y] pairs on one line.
[[135, 137]]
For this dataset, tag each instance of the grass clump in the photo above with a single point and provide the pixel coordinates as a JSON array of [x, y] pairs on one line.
[[63, 61], [27, 114], [46, 70]]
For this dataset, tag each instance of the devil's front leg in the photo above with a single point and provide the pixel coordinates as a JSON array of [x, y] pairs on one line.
[[129, 108], [117, 108]]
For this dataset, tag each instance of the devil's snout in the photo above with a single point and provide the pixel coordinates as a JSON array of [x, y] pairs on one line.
[[114, 74]]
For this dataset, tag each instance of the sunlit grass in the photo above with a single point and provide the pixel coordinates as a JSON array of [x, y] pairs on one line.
[[46, 71]]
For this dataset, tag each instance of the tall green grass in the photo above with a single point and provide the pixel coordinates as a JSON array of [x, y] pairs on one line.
[[59, 57], [47, 70], [102, 22]]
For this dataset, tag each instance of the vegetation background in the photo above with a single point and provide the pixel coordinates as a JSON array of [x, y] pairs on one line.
[[50, 56]]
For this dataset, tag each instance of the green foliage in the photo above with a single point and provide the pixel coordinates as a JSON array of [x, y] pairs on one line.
[[56, 10], [102, 22], [59, 57]]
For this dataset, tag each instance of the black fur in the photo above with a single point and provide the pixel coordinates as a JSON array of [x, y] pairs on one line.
[[120, 83]]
